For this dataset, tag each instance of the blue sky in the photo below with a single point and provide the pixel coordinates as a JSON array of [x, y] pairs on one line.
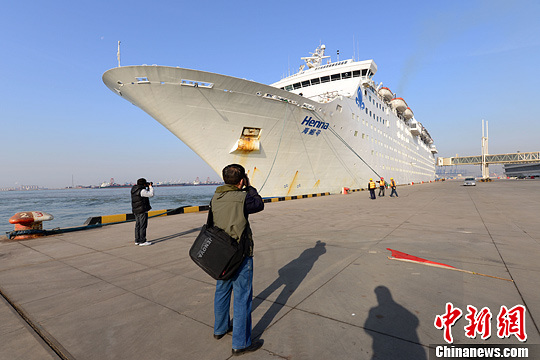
[[454, 62]]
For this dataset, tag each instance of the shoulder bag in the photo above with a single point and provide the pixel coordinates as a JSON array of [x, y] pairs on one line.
[[216, 252]]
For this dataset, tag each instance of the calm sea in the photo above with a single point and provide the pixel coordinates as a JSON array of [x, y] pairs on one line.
[[71, 207]]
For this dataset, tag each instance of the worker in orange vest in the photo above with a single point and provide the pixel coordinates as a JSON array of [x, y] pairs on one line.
[[382, 185], [372, 186], [393, 186]]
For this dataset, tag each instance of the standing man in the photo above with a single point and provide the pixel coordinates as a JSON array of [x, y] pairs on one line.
[[140, 205], [230, 206], [372, 186], [393, 186], [382, 185]]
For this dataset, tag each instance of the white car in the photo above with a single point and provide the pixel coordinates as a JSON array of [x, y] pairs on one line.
[[469, 182]]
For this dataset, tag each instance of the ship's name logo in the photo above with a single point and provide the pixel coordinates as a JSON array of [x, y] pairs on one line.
[[359, 101], [315, 126]]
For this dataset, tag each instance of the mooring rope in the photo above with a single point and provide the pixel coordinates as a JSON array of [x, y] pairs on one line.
[[345, 143]]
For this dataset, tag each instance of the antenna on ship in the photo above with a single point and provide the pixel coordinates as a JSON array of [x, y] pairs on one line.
[[118, 54], [354, 49]]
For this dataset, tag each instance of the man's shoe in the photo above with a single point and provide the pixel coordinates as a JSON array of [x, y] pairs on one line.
[[217, 337], [255, 345], [146, 243]]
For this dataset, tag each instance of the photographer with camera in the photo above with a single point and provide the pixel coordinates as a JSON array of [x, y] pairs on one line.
[[140, 205], [230, 206]]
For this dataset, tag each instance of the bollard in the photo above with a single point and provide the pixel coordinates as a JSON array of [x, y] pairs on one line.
[[29, 220]]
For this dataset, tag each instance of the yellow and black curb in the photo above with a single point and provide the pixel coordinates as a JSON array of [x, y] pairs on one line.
[[118, 218], [295, 197], [107, 219]]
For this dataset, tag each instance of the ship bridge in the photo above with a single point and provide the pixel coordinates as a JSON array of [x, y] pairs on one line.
[[323, 83]]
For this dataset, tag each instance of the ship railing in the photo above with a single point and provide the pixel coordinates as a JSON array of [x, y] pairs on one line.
[[277, 98], [195, 83]]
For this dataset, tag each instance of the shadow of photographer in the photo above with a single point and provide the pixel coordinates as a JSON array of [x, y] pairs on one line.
[[169, 237], [393, 329], [290, 277]]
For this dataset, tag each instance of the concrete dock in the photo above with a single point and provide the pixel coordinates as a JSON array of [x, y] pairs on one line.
[[324, 286]]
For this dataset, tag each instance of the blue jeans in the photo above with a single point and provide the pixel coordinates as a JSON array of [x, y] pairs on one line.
[[242, 285]]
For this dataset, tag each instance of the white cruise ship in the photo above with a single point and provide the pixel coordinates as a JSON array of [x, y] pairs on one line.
[[324, 128]]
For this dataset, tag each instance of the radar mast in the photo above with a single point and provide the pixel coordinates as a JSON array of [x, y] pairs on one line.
[[316, 58]]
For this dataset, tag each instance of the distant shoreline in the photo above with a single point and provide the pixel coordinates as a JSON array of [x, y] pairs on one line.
[[108, 187]]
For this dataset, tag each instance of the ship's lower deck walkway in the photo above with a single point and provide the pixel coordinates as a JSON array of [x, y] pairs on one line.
[[323, 284]]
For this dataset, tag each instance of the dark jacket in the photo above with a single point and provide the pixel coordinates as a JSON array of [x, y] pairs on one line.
[[139, 204]]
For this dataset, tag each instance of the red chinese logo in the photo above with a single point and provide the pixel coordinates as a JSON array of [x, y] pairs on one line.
[[509, 322], [479, 322], [512, 322], [447, 320]]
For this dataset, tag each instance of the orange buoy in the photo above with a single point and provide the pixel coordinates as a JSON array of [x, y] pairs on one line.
[[29, 220]]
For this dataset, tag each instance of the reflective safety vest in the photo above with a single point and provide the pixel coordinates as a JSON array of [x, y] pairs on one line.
[[381, 183], [372, 185], [392, 183]]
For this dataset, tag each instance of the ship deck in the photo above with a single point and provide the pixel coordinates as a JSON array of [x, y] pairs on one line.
[[324, 286]]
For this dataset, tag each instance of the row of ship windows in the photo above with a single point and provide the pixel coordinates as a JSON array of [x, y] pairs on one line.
[[374, 116], [388, 157], [366, 136], [328, 78], [406, 140], [401, 137], [377, 105]]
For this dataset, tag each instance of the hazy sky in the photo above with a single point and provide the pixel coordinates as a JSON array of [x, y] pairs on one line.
[[455, 63]]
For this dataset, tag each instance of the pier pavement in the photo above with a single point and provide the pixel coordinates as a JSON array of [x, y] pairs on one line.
[[323, 284]]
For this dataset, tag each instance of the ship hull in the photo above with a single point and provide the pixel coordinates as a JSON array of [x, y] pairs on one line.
[[303, 147]]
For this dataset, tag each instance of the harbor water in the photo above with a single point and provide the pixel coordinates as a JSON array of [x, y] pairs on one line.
[[72, 207]]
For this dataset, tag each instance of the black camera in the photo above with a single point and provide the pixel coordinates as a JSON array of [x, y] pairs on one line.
[[149, 184]]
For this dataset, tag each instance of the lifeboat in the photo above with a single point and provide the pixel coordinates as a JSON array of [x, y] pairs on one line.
[[398, 104], [408, 114], [433, 149], [386, 94]]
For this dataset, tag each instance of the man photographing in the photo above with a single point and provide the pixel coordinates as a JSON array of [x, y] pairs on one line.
[[230, 206], [140, 205]]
